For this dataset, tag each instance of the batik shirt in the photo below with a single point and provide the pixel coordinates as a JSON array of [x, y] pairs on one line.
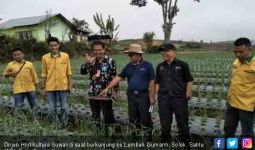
[[105, 70]]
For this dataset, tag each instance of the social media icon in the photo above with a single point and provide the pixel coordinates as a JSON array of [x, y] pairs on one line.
[[232, 143], [246, 143], [219, 143]]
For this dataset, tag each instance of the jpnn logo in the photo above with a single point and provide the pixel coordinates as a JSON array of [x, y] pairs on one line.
[[219, 143], [232, 143], [246, 143]]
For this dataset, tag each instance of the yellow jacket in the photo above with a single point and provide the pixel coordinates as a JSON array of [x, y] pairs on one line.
[[26, 79], [241, 93], [56, 71]]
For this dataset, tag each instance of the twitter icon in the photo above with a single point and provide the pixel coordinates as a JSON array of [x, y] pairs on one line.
[[232, 143]]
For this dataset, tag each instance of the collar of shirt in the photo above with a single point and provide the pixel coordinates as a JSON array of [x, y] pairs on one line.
[[53, 56], [174, 61], [23, 61], [96, 60], [136, 64], [249, 59]]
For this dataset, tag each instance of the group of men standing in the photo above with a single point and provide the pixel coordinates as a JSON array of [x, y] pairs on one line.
[[170, 84], [56, 80]]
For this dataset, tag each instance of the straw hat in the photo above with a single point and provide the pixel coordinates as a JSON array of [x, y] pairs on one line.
[[134, 48]]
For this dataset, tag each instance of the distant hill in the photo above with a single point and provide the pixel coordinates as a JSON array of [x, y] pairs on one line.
[[217, 46], [138, 41], [225, 42]]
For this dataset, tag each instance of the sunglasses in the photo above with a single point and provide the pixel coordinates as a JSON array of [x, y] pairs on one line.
[[131, 54]]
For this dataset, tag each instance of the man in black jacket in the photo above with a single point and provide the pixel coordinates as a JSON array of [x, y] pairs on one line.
[[174, 88]]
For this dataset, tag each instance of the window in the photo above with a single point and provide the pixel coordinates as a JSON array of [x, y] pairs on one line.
[[25, 35]]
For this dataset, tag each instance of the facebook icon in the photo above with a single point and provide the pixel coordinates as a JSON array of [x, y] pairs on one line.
[[219, 143]]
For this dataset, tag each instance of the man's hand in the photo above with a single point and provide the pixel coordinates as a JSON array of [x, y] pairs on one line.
[[37, 90], [70, 87], [94, 77], [152, 101], [43, 92], [11, 74], [104, 92], [97, 75], [87, 58], [69, 90]]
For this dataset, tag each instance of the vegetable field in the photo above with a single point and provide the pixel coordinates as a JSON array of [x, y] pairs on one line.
[[211, 72]]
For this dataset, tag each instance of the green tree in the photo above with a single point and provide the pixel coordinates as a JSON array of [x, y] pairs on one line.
[[107, 27], [80, 24], [169, 11], [148, 39]]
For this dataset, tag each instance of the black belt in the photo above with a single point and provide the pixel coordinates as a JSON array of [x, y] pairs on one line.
[[137, 91]]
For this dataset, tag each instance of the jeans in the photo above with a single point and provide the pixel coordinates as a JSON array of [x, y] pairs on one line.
[[53, 97], [233, 116], [19, 102]]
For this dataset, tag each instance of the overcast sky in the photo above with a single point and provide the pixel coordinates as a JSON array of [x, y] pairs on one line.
[[216, 20]]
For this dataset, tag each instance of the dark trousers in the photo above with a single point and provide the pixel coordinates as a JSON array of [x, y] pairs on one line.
[[233, 116], [179, 106], [106, 107], [138, 110]]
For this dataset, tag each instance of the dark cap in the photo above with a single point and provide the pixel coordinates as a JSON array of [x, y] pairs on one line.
[[167, 47]]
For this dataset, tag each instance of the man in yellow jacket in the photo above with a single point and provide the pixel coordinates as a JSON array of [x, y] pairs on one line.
[[56, 79], [241, 95], [25, 80]]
